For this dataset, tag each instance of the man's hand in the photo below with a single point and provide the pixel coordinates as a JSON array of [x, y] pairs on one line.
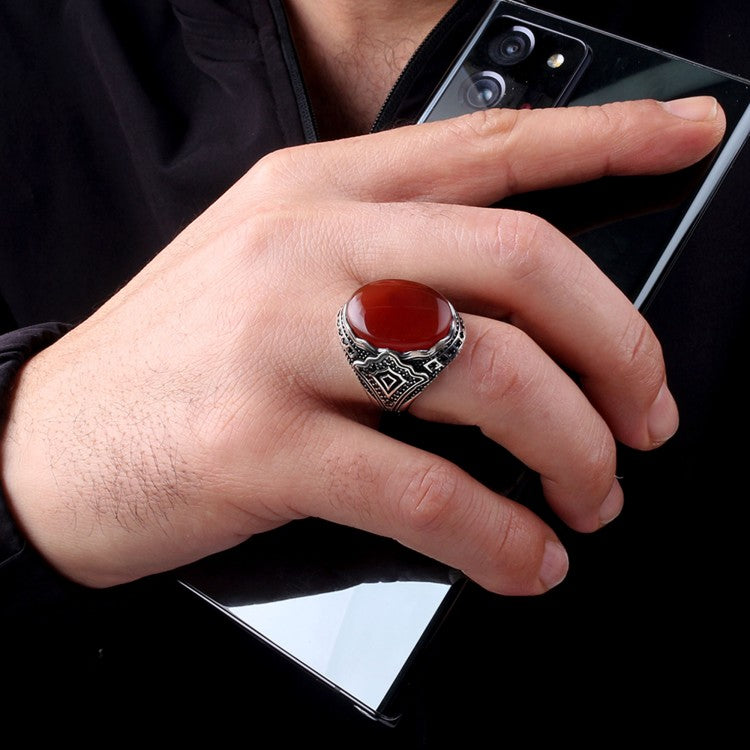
[[209, 399]]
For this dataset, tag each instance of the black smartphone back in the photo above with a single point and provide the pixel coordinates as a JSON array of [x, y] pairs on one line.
[[355, 610], [632, 227]]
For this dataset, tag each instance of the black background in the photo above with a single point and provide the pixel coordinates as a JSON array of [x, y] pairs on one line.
[[645, 637]]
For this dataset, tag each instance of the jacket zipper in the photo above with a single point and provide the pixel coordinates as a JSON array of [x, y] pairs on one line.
[[441, 24], [451, 30], [307, 116]]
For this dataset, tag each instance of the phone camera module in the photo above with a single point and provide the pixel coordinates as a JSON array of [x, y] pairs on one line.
[[484, 90], [512, 46]]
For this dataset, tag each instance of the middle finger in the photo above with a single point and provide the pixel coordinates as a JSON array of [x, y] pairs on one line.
[[514, 266]]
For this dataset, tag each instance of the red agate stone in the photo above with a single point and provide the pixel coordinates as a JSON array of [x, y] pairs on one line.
[[399, 315]]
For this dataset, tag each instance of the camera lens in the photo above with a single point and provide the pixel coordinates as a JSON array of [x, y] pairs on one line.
[[512, 46], [484, 90]]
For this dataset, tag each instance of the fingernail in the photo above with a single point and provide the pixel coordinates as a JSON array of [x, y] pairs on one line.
[[698, 108], [612, 505], [554, 564], [663, 417]]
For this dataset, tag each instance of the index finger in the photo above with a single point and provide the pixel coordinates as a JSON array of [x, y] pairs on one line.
[[480, 158]]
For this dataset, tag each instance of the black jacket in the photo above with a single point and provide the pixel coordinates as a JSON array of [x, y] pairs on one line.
[[120, 122], [125, 122]]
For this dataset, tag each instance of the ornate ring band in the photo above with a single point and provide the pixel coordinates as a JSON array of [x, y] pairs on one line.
[[398, 336]]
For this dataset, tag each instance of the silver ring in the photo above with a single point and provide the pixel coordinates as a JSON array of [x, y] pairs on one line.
[[394, 377]]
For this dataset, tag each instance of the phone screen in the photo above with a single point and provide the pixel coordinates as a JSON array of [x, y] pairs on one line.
[[349, 607], [353, 609]]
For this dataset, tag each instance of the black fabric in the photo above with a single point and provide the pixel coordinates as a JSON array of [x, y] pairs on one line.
[[120, 122], [126, 120], [16, 347], [123, 122]]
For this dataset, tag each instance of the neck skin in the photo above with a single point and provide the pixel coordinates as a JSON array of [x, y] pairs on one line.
[[352, 52]]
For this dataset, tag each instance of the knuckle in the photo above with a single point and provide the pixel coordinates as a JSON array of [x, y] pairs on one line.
[[281, 168], [619, 116], [253, 236], [496, 374], [430, 498], [522, 240], [270, 167], [594, 468], [279, 232], [617, 124], [510, 560], [641, 351], [597, 460], [487, 135], [603, 119], [475, 128], [511, 536]]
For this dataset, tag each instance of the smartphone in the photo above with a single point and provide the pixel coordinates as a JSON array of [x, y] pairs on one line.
[[632, 227], [353, 610]]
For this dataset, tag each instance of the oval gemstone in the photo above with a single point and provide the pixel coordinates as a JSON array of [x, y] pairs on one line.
[[399, 315]]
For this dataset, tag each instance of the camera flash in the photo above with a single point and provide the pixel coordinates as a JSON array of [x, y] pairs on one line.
[[556, 60]]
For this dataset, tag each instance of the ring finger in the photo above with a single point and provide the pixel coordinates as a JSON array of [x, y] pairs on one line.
[[510, 265], [504, 383]]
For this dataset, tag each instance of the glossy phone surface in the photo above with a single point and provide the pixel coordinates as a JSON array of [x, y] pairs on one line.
[[349, 607], [633, 227], [353, 609]]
